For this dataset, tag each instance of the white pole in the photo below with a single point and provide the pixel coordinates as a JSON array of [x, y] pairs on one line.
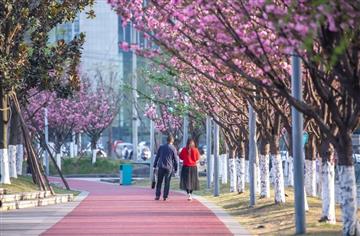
[[208, 152], [134, 95], [252, 153], [297, 137]]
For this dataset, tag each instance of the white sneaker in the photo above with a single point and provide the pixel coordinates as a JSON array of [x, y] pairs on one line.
[[189, 197]]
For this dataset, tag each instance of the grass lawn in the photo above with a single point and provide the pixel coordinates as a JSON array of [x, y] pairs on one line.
[[265, 218], [25, 184]]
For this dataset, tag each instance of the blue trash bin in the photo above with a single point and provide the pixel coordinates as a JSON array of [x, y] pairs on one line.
[[125, 174]]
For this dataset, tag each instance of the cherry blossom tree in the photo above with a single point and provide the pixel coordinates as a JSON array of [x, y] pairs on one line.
[[90, 110], [64, 116], [99, 107]]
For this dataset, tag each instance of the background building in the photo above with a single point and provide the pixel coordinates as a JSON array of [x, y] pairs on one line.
[[103, 56]]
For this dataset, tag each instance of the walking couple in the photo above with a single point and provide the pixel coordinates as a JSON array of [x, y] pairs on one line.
[[166, 163]]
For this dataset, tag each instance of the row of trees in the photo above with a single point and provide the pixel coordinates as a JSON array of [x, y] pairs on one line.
[[90, 110], [232, 54], [29, 62]]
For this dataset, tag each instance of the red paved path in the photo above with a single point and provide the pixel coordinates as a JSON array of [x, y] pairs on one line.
[[121, 210]]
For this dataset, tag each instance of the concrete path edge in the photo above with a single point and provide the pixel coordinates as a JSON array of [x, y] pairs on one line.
[[227, 219]]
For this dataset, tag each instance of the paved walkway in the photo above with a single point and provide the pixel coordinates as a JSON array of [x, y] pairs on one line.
[[124, 210]]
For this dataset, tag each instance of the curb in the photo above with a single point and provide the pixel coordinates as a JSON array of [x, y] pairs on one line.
[[32, 199], [82, 195]]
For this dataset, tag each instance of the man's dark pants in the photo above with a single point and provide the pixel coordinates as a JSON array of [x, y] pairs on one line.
[[163, 174]]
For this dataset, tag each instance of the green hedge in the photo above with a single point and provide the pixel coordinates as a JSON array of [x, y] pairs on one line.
[[72, 166]]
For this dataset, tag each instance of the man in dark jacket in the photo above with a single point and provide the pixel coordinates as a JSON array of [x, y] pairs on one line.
[[166, 162]]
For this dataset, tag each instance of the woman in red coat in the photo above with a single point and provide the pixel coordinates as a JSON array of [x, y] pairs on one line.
[[189, 180]]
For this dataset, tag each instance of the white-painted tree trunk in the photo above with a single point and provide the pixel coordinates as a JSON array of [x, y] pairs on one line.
[[290, 180], [76, 150], [247, 174], [221, 167], [240, 174], [258, 178], [279, 187], [212, 169], [5, 168], [58, 160], [93, 159], [61, 151], [318, 178], [328, 192], [306, 201], [286, 167], [310, 177], [271, 173], [224, 177], [72, 151], [19, 158], [12, 161], [52, 148], [337, 188], [233, 174], [264, 176], [348, 200]]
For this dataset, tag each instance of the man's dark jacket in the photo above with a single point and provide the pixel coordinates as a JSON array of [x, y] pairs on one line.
[[167, 158]]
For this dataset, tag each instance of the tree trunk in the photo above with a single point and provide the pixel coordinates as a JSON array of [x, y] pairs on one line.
[[290, 178], [310, 177], [93, 149], [247, 173], [291, 171], [328, 182], [278, 175], [76, 147], [4, 125], [78, 142], [72, 146], [12, 161], [348, 198], [310, 166], [58, 160], [58, 154], [224, 169], [264, 169], [247, 169], [110, 144], [232, 169], [19, 158], [240, 169], [348, 201], [14, 140], [257, 172]]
